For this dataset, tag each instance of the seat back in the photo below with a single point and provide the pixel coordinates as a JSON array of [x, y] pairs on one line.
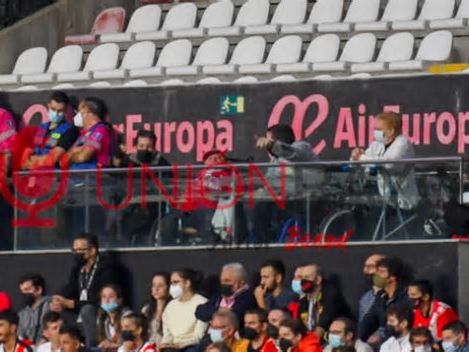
[[181, 16], [436, 46], [290, 12], [285, 50], [145, 19], [139, 55], [362, 11], [360, 48], [253, 13], [324, 48], [463, 10], [218, 14], [437, 9], [110, 20], [103, 57], [31, 61], [397, 47], [212, 52], [66, 59], [175, 53], [249, 51], [326, 11], [400, 10]]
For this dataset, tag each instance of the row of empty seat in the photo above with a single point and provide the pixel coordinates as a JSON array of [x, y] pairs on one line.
[[289, 17], [323, 54]]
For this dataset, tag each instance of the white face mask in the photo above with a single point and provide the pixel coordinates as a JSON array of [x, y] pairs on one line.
[[379, 136], [423, 349], [175, 291], [78, 119]]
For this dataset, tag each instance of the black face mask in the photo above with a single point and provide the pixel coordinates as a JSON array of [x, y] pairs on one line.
[[127, 335], [415, 302], [79, 258], [285, 344], [369, 279], [226, 290], [307, 286], [145, 156], [28, 299], [272, 331], [250, 333], [390, 331]]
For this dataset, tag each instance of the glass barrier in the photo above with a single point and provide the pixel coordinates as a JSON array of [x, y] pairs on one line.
[[316, 203]]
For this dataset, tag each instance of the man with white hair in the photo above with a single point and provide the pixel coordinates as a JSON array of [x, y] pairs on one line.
[[234, 294]]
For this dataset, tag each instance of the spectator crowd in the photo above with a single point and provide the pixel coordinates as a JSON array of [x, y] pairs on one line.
[[308, 314]]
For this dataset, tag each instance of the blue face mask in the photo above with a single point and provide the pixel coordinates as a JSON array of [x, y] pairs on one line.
[[448, 346], [379, 136], [216, 335], [296, 287], [335, 341], [54, 117], [110, 307]]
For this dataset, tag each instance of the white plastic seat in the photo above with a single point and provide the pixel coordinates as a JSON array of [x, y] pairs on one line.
[[211, 52], [217, 15], [135, 83], [284, 78], [431, 10], [396, 10], [180, 16], [64, 86], [288, 12], [286, 50], [30, 61], [435, 47], [252, 13], [246, 79], [324, 48], [175, 53], [397, 47], [26, 88], [173, 82], [358, 49], [139, 55], [249, 51], [459, 21], [102, 57], [358, 11], [324, 11], [323, 77], [144, 19], [209, 80], [66, 59], [100, 84]]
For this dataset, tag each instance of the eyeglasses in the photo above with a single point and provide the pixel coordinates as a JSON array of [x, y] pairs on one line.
[[79, 250]]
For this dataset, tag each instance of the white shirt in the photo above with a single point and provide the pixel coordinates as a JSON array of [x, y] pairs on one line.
[[45, 347], [392, 344]]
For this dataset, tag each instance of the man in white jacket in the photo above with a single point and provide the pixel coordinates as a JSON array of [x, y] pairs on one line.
[[399, 323], [390, 144]]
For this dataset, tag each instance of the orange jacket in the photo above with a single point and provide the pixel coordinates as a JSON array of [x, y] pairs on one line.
[[310, 343]]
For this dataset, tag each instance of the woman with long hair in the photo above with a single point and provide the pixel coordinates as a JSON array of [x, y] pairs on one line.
[[154, 309]]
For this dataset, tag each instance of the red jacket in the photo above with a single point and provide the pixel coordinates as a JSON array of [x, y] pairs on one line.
[[5, 301], [310, 343], [440, 315], [270, 346]]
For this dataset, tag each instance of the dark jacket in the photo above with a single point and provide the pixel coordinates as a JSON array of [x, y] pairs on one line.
[[331, 304], [376, 316], [243, 302], [106, 273]]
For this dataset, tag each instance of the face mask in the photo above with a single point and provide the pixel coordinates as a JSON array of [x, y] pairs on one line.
[[216, 335], [379, 136], [369, 279], [79, 258], [272, 331], [55, 117], [448, 346], [285, 344], [379, 281], [307, 286], [175, 291], [145, 156], [226, 290], [423, 349], [335, 341], [127, 335], [390, 331], [110, 307], [250, 333], [78, 119], [28, 299], [296, 287], [414, 302]]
